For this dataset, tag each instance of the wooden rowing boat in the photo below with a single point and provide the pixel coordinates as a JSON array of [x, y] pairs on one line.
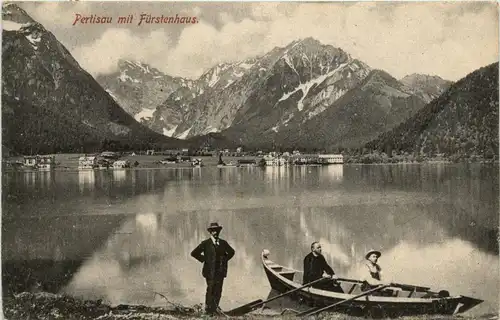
[[394, 301]]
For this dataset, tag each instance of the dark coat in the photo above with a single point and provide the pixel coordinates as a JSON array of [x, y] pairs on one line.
[[214, 259], [314, 268]]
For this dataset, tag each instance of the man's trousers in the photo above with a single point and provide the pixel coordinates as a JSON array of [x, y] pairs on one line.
[[213, 295]]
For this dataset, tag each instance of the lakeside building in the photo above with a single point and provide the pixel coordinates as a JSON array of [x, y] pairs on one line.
[[273, 160], [45, 162], [121, 164], [110, 155], [331, 158], [247, 162], [85, 162], [317, 159]]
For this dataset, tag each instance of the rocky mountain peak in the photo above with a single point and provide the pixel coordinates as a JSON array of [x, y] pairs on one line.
[[426, 86], [308, 42], [423, 79], [137, 71], [12, 12]]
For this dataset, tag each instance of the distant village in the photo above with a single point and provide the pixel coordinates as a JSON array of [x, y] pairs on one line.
[[164, 158]]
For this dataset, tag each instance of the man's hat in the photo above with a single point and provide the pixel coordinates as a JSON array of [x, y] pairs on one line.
[[372, 252], [214, 226]]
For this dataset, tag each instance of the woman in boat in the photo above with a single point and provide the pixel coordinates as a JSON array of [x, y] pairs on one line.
[[372, 275]]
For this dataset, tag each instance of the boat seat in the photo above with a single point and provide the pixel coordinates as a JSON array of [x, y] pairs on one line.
[[417, 294], [298, 276], [354, 289], [274, 266], [287, 274]]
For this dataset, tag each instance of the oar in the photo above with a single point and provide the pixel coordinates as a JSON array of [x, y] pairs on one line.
[[313, 311], [257, 303]]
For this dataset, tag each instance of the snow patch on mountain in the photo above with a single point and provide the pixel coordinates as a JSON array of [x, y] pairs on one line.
[[229, 82], [184, 134], [314, 112], [124, 77], [169, 133], [284, 122], [112, 95], [210, 129], [214, 79], [34, 40], [8, 25], [246, 66], [144, 113], [305, 87], [290, 64]]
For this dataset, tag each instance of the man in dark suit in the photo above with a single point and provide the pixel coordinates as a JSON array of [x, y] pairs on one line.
[[214, 253], [315, 266]]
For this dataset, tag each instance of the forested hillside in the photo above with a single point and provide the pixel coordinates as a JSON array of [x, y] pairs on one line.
[[461, 124]]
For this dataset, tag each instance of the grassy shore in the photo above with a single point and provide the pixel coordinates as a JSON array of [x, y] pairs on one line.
[[45, 306]]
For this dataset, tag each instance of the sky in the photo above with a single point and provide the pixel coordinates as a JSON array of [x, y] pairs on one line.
[[448, 39]]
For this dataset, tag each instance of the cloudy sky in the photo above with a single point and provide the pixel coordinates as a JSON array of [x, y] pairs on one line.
[[449, 39]]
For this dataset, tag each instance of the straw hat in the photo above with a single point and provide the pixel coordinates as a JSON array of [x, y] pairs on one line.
[[369, 253]]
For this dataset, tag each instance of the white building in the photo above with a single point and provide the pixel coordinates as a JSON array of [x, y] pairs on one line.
[[274, 161], [331, 158], [121, 164], [45, 162], [85, 162]]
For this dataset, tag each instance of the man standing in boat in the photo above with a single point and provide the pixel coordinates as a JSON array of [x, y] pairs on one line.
[[214, 253], [315, 266]]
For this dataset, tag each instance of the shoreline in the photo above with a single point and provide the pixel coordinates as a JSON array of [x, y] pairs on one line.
[[76, 170], [68, 162], [153, 166], [44, 305]]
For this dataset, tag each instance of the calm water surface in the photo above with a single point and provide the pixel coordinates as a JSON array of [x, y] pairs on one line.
[[122, 235]]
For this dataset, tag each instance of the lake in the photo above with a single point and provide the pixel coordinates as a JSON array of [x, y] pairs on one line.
[[122, 235]]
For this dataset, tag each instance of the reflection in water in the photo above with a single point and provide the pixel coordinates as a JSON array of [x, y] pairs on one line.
[[86, 180], [278, 178], [30, 178], [153, 252], [434, 225], [38, 179], [334, 171], [150, 180], [147, 221], [119, 175], [46, 179]]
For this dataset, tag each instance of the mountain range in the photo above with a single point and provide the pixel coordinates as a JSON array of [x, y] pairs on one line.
[[50, 104], [306, 95], [281, 98]]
